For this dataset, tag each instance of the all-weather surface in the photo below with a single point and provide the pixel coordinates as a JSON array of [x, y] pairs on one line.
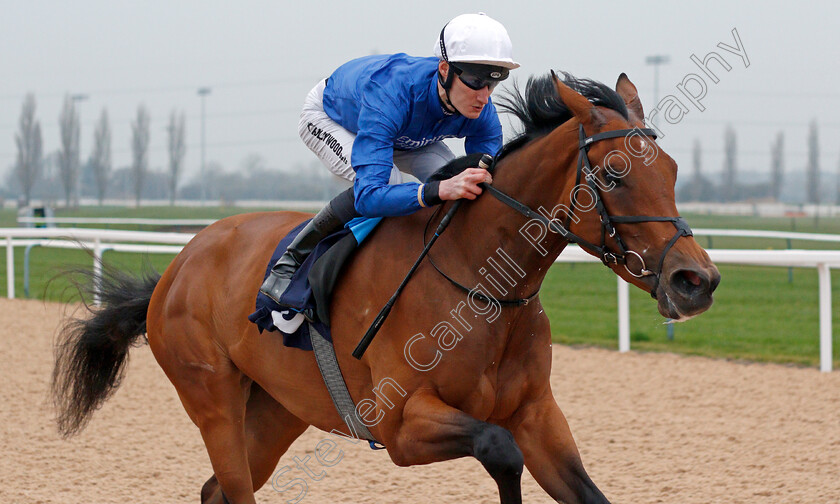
[[651, 428]]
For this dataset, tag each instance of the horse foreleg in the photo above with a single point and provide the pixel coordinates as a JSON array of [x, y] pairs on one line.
[[432, 431], [551, 455], [270, 429]]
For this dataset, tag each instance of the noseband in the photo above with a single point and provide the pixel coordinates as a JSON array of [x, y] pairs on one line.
[[607, 255]]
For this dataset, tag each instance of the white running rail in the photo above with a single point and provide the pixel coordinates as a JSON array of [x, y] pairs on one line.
[[100, 240]]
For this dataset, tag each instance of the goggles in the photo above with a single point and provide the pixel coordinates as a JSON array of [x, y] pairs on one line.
[[476, 76]]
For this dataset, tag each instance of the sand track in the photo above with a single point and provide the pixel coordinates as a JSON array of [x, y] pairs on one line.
[[650, 427]]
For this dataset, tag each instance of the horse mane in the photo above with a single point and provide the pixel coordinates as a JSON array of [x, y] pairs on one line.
[[540, 109]]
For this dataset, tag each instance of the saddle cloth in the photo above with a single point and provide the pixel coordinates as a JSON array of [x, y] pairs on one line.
[[311, 286]]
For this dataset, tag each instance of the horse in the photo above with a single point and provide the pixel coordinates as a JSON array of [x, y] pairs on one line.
[[461, 366]]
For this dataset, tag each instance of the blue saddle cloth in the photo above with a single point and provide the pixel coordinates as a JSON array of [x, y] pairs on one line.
[[300, 295]]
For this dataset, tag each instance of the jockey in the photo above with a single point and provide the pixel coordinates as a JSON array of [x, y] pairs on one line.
[[378, 115]]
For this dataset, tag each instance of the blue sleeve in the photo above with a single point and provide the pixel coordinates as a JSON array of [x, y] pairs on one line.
[[485, 135], [380, 119], [375, 198]]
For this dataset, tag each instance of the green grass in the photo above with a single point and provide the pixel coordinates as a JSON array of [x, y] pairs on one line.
[[790, 224], [8, 218], [758, 314], [47, 266], [829, 225]]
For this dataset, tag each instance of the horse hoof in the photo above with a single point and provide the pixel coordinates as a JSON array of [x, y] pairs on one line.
[[211, 490]]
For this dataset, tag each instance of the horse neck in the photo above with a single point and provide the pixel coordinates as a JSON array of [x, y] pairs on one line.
[[540, 174]]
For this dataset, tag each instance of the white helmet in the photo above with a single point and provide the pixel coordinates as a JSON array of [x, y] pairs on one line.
[[475, 38]]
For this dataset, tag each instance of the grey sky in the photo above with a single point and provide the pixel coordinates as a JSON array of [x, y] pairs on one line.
[[260, 58]]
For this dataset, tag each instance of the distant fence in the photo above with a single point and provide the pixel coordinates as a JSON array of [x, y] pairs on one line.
[[112, 221], [761, 209], [753, 233], [210, 203], [99, 240], [116, 221], [758, 209]]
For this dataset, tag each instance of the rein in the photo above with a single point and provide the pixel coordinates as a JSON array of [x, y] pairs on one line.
[[603, 252], [478, 295]]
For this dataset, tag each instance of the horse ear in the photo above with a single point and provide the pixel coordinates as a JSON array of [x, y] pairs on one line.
[[628, 91], [582, 108]]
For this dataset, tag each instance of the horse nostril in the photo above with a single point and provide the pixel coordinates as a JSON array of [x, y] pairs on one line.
[[692, 277], [689, 282]]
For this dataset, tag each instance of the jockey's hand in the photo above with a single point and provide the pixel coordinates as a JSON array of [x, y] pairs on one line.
[[464, 185]]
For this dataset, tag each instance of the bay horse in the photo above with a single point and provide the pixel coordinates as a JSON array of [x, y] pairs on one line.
[[451, 374]]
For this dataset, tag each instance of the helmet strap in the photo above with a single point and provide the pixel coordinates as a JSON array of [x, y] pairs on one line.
[[446, 84]]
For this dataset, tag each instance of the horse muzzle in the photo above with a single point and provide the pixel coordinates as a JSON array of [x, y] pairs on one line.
[[687, 290]]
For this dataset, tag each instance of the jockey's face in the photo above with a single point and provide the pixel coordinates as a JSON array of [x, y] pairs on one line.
[[469, 102]]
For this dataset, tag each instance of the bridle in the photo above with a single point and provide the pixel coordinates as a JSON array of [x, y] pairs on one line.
[[602, 251]]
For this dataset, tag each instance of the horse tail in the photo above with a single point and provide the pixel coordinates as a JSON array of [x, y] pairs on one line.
[[91, 352]]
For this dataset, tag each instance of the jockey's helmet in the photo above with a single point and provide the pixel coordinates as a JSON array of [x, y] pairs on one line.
[[477, 49]]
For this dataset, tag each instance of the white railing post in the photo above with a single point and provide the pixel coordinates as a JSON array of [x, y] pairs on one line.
[[97, 269], [10, 269], [623, 316], [825, 317]]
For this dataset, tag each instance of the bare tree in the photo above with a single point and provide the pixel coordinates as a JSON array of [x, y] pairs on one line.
[[253, 165], [777, 154], [697, 180], [100, 158], [68, 163], [49, 174], [139, 150], [177, 150], [729, 164], [29, 148], [813, 169]]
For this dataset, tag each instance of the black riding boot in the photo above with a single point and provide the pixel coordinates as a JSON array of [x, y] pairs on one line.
[[330, 219]]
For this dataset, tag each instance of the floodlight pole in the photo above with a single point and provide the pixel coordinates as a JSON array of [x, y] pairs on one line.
[[656, 60], [79, 97], [203, 92]]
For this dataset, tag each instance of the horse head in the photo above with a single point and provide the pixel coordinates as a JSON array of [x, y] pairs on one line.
[[623, 199]]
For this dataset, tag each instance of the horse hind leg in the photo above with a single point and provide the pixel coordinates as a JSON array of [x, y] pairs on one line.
[[214, 393], [433, 431], [270, 430]]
